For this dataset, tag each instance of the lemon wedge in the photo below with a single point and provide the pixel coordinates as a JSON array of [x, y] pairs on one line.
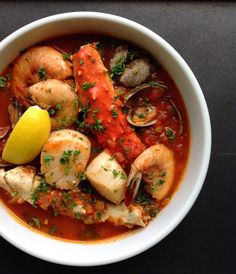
[[28, 136]]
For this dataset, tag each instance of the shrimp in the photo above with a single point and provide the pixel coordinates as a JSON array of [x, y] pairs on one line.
[[58, 98], [24, 184], [156, 166], [64, 158], [36, 64]]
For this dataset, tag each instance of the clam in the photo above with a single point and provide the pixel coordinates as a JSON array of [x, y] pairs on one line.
[[141, 114]]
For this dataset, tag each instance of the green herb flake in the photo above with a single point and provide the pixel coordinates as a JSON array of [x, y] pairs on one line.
[[115, 173], [154, 212], [67, 170], [114, 113], [55, 213], [81, 61], [53, 229], [160, 182], [118, 69], [47, 158], [66, 156], [3, 82], [170, 133], [163, 174], [98, 125], [35, 222], [141, 115], [51, 112], [42, 73], [82, 176], [59, 106], [96, 149], [99, 215], [88, 85], [123, 176], [66, 56]]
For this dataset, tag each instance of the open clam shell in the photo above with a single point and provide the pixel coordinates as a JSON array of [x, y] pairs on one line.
[[143, 115]]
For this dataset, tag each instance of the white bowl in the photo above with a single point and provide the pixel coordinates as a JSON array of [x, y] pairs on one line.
[[78, 254]]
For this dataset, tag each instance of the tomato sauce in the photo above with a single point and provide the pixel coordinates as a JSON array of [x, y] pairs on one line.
[[72, 229]]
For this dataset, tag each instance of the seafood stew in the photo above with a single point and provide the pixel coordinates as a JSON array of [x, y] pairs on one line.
[[119, 140]]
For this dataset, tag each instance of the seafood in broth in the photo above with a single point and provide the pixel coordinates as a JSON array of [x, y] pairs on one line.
[[119, 138]]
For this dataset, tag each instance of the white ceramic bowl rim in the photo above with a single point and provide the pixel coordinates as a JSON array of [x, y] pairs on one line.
[[135, 244]]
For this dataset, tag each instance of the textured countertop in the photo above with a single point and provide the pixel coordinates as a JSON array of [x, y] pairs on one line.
[[204, 34]]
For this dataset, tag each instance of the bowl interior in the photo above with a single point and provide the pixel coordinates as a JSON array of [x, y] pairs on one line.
[[111, 251]]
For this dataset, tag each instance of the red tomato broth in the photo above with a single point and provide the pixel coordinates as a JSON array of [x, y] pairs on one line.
[[78, 231]]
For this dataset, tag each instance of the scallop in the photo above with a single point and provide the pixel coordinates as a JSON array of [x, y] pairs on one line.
[[64, 158]]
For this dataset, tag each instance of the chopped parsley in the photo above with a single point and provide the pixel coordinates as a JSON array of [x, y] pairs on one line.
[[143, 198], [51, 112], [43, 187], [55, 213], [35, 222], [47, 158], [141, 115], [114, 113], [66, 56], [163, 174], [81, 61], [99, 215], [96, 149], [88, 85], [115, 173], [98, 125], [118, 69], [42, 73], [59, 106], [160, 182], [82, 176], [170, 133], [65, 157], [53, 229], [3, 81]]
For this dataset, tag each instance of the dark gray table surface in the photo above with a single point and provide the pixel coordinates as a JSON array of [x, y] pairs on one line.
[[204, 33]]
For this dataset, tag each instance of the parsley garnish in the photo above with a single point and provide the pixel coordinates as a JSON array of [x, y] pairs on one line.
[[65, 157], [98, 125], [118, 69], [88, 85], [66, 56], [35, 222], [160, 182], [114, 113], [53, 229], [81, 61], [96, 149], [141, 115], [47, 158], [42, 73], [3, 81], [99, 215], [115, 173], [170, 133]]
